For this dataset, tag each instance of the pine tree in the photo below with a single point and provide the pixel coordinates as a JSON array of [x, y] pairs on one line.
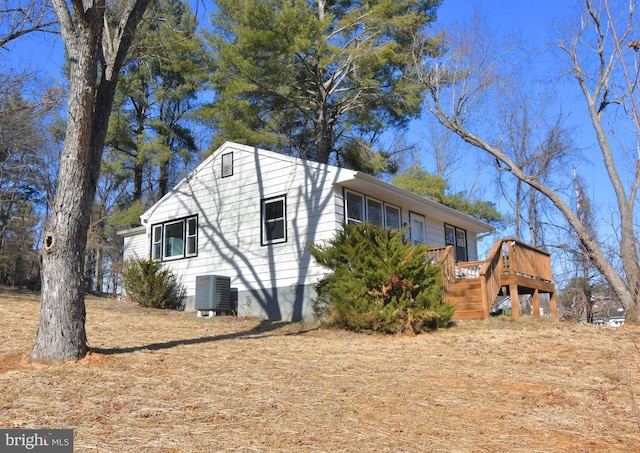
[[317, 79]]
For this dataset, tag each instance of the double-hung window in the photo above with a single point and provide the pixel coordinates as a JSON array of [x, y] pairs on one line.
[[274, 220], [418, 228], [175, 239], [374, 212], [392, 217], [355, 207], [457, 237]]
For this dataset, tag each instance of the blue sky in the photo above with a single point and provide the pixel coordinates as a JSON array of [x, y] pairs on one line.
[[532, 19], [533, 23], [529, 20]]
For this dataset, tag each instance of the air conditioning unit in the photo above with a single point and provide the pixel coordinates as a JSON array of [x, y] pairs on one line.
[[213, 293]]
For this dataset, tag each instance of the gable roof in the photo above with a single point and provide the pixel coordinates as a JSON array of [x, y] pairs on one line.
[[350, 179]]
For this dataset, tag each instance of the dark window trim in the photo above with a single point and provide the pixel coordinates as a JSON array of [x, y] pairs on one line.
[[222, 165], [162, 225], [263, 240], [455, 239]]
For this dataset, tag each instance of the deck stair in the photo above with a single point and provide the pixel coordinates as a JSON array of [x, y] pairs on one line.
[[511, 267], [466, 295]]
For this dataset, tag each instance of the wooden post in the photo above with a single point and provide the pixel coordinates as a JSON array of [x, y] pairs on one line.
[[485, 301], [515, 301], [535, 301]]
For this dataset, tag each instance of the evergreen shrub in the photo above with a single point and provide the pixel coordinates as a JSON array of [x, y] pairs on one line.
[[379, 282], [148, 284]]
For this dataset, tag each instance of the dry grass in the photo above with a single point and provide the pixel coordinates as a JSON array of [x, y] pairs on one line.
[[163, 381]]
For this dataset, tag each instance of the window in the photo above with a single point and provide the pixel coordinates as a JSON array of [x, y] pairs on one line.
[[274, 220], [355, 208], [457, 237], [192, 236], [418, 228], [156, 243], [175, 239], [374, 212], [392, 217], [227, 165], [360, 209]]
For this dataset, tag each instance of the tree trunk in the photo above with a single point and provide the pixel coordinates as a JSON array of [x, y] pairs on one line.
[[137, 180], [97, 275], [163, 179], [61, 333]]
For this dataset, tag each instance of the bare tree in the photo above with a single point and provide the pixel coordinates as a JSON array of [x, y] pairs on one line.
[[19, 17], [540, 148], [97, 35], [445, 148], [25, 107], [603, 62]]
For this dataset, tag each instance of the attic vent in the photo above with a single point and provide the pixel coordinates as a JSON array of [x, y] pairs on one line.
[[227, 165], [213, 293]]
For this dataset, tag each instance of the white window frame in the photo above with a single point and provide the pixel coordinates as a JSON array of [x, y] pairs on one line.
[[267, 223], [191, 235], [160, 241], [347, 209], [156, 242], [365, 206], [373, 204], [415, 239], [387, 208]]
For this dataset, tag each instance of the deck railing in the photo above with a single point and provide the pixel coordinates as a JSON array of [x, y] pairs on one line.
[[443, 256], [521, 259], [490, 277], [507, 257]]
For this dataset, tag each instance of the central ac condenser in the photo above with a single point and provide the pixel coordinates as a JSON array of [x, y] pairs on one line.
[[213, 293]]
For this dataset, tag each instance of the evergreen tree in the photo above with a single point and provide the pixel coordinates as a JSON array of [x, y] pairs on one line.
[[317, 79], [379, 282], [150, 139], [156, 95], [97, 35]]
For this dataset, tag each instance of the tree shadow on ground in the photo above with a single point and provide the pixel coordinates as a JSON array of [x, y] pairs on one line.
[[263, 329]]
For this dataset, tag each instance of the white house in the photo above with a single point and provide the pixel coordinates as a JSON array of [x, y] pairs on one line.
[[251, 215]]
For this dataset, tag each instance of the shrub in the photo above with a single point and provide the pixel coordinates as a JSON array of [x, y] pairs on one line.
[[148, 284], [379, 283]]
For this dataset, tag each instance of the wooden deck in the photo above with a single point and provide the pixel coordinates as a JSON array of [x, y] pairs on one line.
[[512, 268]]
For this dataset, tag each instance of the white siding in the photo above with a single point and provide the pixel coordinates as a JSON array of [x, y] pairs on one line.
[[276, 280], [229, 219], [136, 245]]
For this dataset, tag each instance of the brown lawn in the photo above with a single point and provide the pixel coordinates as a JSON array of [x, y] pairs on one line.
[[161, 381]]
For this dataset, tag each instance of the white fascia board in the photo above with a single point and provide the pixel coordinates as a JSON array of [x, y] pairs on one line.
[[373, 187], [135, 231]]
